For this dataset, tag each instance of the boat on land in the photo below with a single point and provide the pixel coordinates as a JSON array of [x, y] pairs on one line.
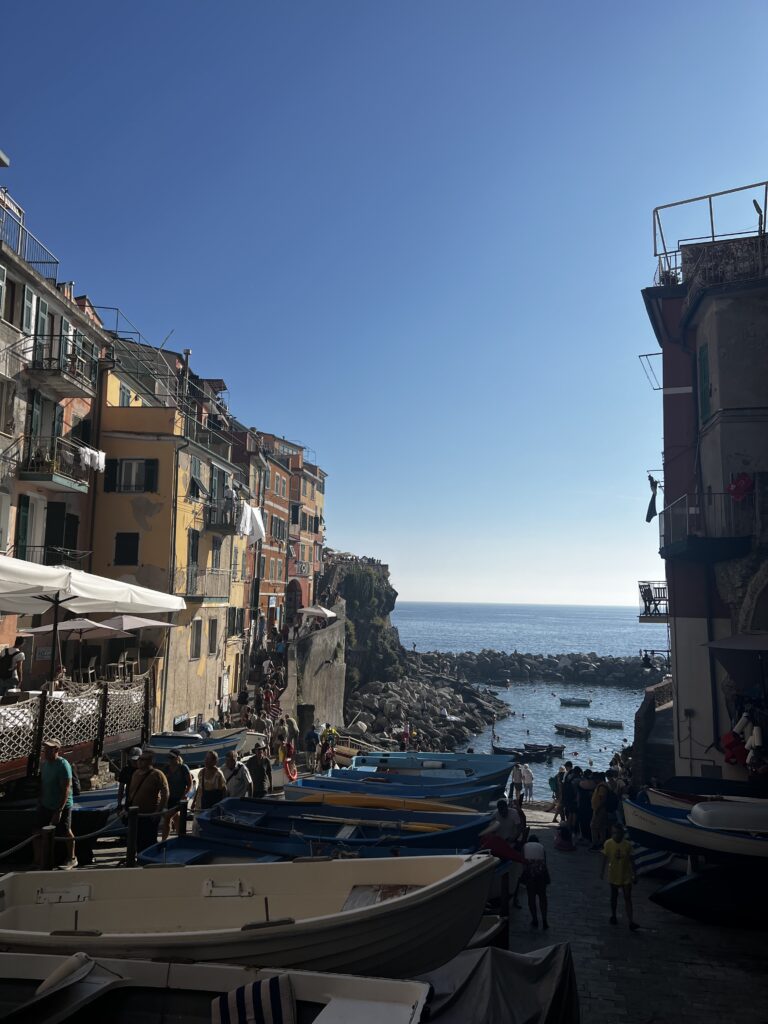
[[427, 777], [605, 723], [431, 759], [213, 850], [193, 748], [472, 797], [756, 787], [392, 803], [671, 828], [575, 702], [49, 989], [579, 731], [290, 829], [684, 801], [719, 896], [731, 816], [392, 916]]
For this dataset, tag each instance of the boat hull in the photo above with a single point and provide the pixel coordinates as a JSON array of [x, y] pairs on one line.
[[401, 936], [718, 896], [194, 754], [577, 731], [574, 702], [604, 723], [474, 799], [663, 828]]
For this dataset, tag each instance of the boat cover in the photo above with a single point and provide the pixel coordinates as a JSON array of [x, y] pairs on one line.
[[484, 986]]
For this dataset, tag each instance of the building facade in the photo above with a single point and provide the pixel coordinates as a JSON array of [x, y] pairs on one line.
[[708, 308]]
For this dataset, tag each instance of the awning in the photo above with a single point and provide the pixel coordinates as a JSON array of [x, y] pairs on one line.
[[754, 642], [85, 629], [131, 623], [317, 611]]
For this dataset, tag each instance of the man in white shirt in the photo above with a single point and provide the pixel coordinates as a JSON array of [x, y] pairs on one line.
[[237, 777]]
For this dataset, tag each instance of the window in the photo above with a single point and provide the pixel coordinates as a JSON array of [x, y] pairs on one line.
[[130, 475], [2, 292], [197, 488], [304, 488], [213, 635], [7, 396], [266, 478], [235, 621], [282, 487], [262, 566], [279, 569], [126, 549], [216, 553], [27, 316], [125, 395], [8, 311], [244, 564], [195, 639], [272, 568], [303, 553], [295, 513], [277, 483]]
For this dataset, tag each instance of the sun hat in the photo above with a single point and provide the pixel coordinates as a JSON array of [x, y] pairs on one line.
[[52, 742]]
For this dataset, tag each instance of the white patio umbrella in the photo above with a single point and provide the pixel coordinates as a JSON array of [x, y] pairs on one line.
[[135, 624], [317, 611], [28, 589], [81, 628]]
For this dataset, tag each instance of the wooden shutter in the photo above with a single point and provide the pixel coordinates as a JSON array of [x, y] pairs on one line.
[[27, 318], [150, 474], [110, 474]]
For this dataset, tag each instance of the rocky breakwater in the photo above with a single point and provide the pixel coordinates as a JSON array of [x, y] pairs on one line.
[[497, 668], [445, 713]]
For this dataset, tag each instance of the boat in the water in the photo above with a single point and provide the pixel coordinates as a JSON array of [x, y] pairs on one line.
[[556, 749], [605, 723], [512, 752], [392, 916], [193, 747], [40, 989], [719, 896], [471, 797], [579, 731], [670, 828], [575, 702], [290, 829]]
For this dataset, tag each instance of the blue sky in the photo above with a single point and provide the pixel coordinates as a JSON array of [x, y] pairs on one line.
[[411, 235]]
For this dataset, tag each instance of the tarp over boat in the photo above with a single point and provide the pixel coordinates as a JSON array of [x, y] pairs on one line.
[[485, 986]]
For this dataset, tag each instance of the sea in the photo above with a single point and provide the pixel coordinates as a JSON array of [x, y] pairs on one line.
[[541, 629]]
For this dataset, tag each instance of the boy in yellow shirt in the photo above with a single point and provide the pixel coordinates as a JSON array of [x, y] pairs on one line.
[[617, 855]]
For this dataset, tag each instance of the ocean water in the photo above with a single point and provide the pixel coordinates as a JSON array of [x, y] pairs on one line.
[[528, 628], [541, 629]]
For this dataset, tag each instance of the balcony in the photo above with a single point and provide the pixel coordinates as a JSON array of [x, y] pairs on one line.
[[64, 367], [654, 604], [48, 555], [23, 242], [708, 528], [222, 515], [53, 463], [199, 584]]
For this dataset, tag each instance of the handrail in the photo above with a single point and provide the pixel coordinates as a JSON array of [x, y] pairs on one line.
[[75, 354], [26, 245], [47, 454]]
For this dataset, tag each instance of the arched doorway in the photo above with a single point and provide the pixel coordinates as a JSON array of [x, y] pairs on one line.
[[293, 600]]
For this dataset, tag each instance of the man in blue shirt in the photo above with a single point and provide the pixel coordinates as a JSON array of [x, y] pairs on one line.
[[55, 806]]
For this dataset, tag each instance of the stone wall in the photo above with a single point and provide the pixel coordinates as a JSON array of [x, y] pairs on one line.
[[316, 672]]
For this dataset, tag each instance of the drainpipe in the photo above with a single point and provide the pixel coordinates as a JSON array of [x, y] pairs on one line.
[[172, 570], [105, 366]]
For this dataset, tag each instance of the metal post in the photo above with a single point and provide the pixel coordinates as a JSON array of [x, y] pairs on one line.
[[47, 847], [34, 757], [145, 718], [98, 748], [131, 845], [54, 638], [183, 817]]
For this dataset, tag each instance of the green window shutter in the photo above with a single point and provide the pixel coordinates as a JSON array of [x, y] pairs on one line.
[[2, 291], [150, 474], [27, 320], [110, 475]]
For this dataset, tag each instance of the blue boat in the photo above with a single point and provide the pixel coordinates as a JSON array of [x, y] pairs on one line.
[[208, 850], [291, 829], [426, 778], [429, 759], [194, 748], [475, 797]]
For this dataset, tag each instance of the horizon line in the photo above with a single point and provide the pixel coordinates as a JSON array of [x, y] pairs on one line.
[[515, 604]]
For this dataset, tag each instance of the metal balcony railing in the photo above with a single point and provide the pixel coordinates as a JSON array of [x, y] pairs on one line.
[[75, 356], [223, 514], [23, 242], [194, 582], [654, 603], [46, 456], [715, 516], [49, 555]]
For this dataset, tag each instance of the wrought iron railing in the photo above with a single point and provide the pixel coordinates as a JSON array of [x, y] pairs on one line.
[[223, 514], [43, 554], [194, 582], [72, 355], [23, 242], [654, 601], [48, 455]]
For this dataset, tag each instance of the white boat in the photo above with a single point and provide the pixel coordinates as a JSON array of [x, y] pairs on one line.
[[393, 917], [685, 801], [731, 817], [48, 989], [669, 828]]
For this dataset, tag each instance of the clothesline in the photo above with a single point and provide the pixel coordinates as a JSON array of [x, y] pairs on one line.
[[90, 458]]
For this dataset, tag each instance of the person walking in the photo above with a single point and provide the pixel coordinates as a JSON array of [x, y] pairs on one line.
[[599, 823], [617, 857], [536, 878], [311, 743], [260, 771], [56, 800], [148, 790], [12, 666], [568, 794], [211, 784], [179, 780], [527, 783], [126, 774], [584, 789], [237, 777], [517, 783]]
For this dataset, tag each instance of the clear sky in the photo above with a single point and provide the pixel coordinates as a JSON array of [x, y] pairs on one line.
[[410, 234]]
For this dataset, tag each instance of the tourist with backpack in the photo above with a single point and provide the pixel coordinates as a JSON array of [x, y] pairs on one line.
[[12, 666]]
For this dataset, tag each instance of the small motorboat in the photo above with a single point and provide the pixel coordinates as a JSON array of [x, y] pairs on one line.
[[557, 749], [37, 989], [391, 916], [473, 797], [512, 752], [579, 731], [670, 828], [719, 896], [289, 829], [193, 748], [605, 723], [575, 702]]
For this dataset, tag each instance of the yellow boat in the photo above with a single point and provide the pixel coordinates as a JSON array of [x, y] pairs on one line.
[[383, 802]]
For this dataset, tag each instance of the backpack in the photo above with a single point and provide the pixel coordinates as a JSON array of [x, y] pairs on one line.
[[6, 663]]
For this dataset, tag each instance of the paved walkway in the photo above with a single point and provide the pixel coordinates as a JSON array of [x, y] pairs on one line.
[[672, 971]]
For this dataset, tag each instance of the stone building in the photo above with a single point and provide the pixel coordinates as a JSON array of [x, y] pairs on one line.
[[708, 308]]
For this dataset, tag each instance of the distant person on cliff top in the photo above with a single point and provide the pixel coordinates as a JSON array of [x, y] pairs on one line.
[[527, 783], [617, 857]]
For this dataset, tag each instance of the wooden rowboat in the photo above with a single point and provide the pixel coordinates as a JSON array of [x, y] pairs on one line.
[[579, 731]]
